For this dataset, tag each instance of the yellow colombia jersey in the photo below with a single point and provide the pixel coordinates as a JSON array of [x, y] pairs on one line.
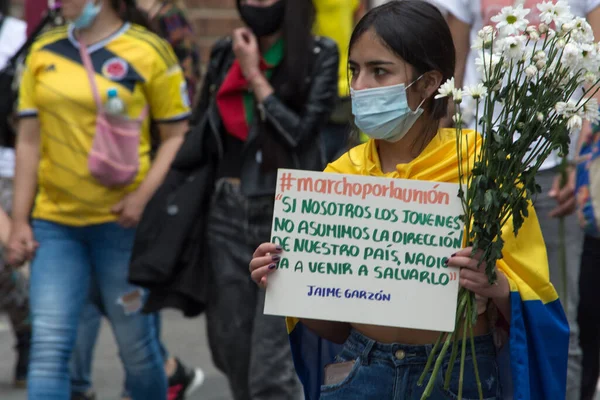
[[335, 19], [55, 88]]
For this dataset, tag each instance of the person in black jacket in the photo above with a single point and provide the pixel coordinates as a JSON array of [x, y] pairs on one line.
[[268, 91]]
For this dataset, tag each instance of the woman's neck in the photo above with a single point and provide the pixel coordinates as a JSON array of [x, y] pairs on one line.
[[105, 24], [265, 42], [406, 149]]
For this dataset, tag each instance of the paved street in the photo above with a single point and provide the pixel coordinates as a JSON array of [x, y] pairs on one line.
[[184, 338]]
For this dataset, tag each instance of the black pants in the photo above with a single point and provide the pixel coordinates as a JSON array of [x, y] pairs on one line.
[[588, 316], [251, 348]]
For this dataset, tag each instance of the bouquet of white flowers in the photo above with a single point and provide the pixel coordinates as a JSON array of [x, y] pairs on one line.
[[527, 104]]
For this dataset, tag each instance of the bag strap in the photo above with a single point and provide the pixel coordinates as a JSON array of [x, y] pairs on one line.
[[91, 73], [89, 69]]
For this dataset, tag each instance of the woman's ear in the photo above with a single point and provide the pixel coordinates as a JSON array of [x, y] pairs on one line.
[[430, 83]]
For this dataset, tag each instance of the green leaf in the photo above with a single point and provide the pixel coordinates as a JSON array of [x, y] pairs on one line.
[[489, 200]]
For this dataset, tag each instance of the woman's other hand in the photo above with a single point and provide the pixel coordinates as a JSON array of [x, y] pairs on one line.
[[473, 277], [129, 210], [21, 244], [245, 47], [264, 262]]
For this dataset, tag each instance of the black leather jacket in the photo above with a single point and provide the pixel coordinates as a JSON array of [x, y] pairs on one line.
[[299, 130]]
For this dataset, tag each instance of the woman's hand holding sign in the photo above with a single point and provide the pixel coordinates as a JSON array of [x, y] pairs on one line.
[[264, 261]]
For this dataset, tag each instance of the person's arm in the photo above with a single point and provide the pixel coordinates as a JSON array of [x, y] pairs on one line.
[[593, 18], [563, 191], [130, 209], [294, 128], [361, 10], [461, 35], [5, 226], [26, 166], [171, 135]]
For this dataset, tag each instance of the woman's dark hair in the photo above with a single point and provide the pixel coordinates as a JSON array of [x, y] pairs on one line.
[[289, 80], [5, 7], [129, 12], [417, 32]]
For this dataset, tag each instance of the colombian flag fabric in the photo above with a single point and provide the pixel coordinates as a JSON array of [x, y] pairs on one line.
[[538, 338], [235, 102]]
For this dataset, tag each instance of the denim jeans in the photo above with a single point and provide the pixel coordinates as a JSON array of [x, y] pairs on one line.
[[391, 372], [67, 260], [87, 335], [251, 348]]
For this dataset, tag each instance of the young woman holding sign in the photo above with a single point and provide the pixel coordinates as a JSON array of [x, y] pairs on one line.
[[400, 54]]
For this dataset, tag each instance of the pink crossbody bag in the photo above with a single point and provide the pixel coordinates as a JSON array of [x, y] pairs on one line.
[[114, 158]]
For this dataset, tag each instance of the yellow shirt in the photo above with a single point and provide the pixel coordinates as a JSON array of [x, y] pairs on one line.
[[524, 261], [56, 90], [335, 19]]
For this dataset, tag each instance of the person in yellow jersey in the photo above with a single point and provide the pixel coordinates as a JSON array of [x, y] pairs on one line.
[[400, 54], [335, 19], [83, 176]]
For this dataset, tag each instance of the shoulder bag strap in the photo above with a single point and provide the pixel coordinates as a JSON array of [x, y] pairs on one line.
[[91, 72], [89, 69]]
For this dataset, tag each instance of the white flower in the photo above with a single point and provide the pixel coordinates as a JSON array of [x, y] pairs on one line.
[[582, 31], [561, 43], [511, 20], [560, 108], [567, 27], [446, 89], [590, 78], [558, 13], [487, 33], [513, 47], [574, 123], [540, 55], [589, 56], [540, 64], [531, 71], [457, 95], [532, 33], [543, 28], [572, 55], [487, 62], [476, 91], [551, 34], [590, 110], [540, 116]]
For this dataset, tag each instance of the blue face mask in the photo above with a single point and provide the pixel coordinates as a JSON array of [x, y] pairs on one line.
[[383, 113], [88, 15]]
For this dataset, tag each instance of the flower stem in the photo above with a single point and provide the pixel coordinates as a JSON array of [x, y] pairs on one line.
[[460, 309], [436, 368], [474, 357], [463, 352], [562, 246]]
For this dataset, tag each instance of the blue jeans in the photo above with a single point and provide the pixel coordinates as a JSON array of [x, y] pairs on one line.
[[87, 335], [391, 371], [67, 260]]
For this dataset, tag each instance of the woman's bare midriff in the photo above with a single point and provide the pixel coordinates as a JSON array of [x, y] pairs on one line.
[[385, 334]]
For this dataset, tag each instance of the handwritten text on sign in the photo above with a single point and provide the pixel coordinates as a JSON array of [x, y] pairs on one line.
[[365, 250]]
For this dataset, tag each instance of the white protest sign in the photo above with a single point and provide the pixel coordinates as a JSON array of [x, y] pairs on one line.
[[365, 250]]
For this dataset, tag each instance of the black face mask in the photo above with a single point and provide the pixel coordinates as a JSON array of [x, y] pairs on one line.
[[263, 21]]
